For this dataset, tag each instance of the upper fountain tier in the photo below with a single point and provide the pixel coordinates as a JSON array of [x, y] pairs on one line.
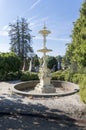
[[44, 31], [44, 50]]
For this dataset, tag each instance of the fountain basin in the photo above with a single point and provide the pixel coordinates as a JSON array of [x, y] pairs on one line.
[[63, 88]]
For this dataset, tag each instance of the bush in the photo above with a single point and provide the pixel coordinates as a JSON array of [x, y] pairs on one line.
[[26, 76], [77, 78], [51, 63], [82, 70], [62, 75], [83, 90], [68, 75], [11, 76], [9, 63], [58, 75]]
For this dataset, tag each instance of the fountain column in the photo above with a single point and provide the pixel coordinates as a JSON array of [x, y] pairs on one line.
[[45, 85]]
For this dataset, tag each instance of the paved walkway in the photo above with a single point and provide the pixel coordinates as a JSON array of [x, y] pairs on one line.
[[27, 113]]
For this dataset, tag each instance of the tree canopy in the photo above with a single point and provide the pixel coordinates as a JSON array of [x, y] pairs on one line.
[[76, 51], [9, 62], [51, 62], [20, 38]]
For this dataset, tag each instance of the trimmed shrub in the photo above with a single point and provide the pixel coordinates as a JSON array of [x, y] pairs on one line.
[[9, 63], [58, 75], [10, 76], [77, 78], [62, 75], [13, 76], [83, 90], [51, 63], [67, 75], [26, 76]]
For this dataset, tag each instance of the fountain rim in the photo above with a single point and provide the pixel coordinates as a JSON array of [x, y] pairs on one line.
[[19, 92]]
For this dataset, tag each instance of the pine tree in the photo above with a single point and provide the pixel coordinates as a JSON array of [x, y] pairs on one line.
[[14, 34], [20, 38], [76, 51]]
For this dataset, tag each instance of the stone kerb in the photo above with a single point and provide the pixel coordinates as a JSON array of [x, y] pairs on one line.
[[25, 85], [70, 87], [65, 84]]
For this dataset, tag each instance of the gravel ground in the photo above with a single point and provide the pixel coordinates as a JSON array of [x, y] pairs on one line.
[[24, 113]]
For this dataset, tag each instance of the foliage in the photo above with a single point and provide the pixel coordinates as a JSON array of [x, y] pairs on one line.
[[58, 75], [36, 61], [26, 76], [20, 38], [64, 62], [63, 75], [82, 70], [59, 62], [51, 62], [13, 76], [78, 78], [83, 89], [9, 62], [70, 76], [76, 51]]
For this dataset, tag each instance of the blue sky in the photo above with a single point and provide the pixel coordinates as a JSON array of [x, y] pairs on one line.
[[58, 15]]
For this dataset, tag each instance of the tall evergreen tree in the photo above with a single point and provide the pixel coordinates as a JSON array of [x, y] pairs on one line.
[[76, 51], [20, 38]]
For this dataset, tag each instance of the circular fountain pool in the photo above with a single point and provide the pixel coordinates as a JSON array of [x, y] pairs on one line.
[[63, 88]]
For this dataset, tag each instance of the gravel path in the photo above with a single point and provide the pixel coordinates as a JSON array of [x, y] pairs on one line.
[[39, 113]]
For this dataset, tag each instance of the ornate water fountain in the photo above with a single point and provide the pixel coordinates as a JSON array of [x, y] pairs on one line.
[[45, 85], [44, 88]]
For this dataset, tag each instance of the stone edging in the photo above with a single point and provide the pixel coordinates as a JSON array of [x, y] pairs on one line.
[[74, 88]]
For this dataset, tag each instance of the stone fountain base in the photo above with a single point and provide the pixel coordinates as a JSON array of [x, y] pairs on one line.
[[45, 88], [63, 88]]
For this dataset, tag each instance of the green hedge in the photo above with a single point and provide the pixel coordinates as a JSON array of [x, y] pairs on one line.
[[9, 65], [62, 75], [26, 76], [78, 78], [83, 89], [11, 76]]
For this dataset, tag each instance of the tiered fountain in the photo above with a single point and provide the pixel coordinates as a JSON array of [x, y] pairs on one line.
[[45, 85]]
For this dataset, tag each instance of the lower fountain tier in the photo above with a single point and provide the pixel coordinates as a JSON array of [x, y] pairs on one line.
[[45, 88]]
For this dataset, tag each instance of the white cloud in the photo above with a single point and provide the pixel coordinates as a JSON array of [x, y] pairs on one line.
[[32, 7], [38, 22], [3, 33], [32, 18], [5, 27], [4, 47], [34, 4], [59, 39], [32, 24], [4, 30], [39, 38], [53, 38]]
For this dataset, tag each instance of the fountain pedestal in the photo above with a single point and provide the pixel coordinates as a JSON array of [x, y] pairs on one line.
[[45, 85]]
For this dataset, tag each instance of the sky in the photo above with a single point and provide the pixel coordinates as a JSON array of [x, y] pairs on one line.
[[58, 16]]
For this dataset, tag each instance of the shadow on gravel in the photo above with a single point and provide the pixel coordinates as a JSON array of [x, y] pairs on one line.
[[15, 115]]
